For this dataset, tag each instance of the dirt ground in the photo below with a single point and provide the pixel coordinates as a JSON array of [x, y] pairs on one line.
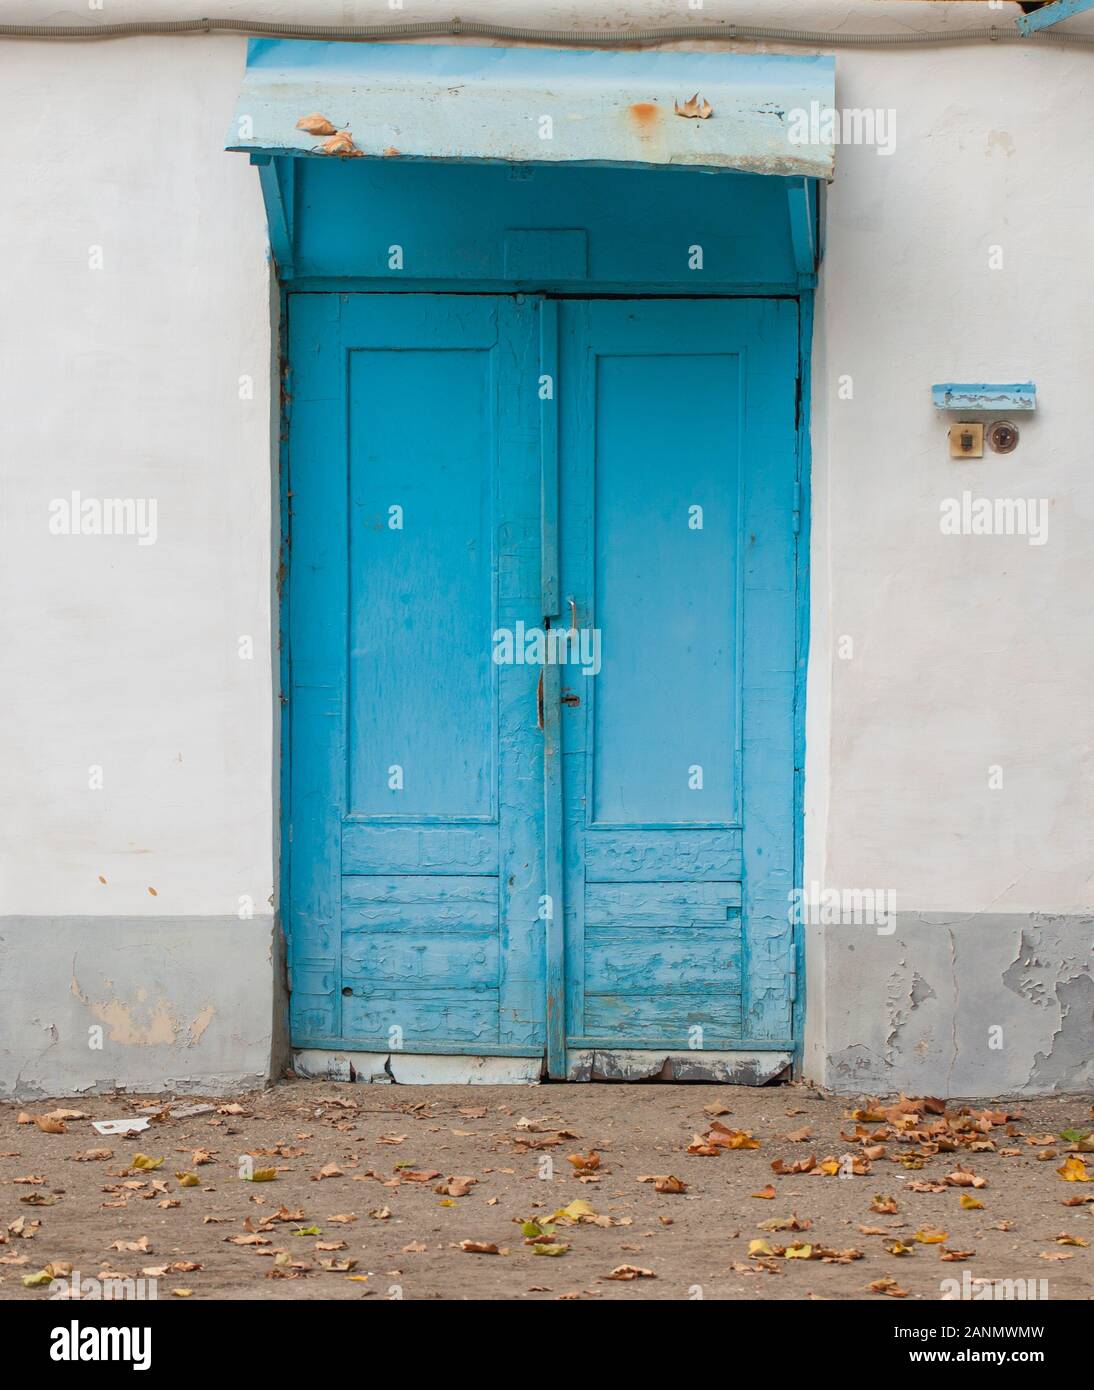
[[383, 1183]]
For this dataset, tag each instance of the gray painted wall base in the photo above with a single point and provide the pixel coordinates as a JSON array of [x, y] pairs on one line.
[[89, 1005], [959, 1005], [948, 1004]]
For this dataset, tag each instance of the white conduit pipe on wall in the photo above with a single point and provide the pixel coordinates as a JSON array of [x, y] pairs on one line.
[[600, 38]]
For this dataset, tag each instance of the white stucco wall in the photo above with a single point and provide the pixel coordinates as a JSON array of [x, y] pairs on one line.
[[125, 381]]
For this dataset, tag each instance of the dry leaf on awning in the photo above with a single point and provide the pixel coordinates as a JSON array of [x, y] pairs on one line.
[[696, 107], [340, 143], [315, 124]]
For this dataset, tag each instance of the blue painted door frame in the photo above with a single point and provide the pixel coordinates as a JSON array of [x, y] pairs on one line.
[[469, 921]]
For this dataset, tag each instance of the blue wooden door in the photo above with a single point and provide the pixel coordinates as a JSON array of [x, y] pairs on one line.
[[678, 514], [444, 451], [415, 761]]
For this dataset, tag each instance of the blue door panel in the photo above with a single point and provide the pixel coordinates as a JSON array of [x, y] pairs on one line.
[[678, 466], [416, 810], [417, 606], [660, 420]]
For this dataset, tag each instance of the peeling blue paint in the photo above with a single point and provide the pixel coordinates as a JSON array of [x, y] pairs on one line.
[[1051, 14], [952, 395]]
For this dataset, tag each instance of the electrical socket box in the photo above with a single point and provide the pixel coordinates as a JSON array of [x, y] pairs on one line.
[[966, 441]]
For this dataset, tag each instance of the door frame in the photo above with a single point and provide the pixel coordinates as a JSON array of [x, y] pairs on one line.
[[551, 293]]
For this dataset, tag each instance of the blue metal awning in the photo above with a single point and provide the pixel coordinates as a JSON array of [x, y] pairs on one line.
[[537, 105]]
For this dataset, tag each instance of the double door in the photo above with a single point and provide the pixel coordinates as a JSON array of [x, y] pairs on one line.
[[541, 655]]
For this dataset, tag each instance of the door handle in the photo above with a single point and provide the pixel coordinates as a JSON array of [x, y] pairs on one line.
[[539, 700]]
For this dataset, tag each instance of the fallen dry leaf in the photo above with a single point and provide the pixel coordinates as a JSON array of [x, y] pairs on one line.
[[793, 1222], [666, 1182], [627, 1272], [454, 1186], [800, 1165], [960, 1177], [133, 1246]]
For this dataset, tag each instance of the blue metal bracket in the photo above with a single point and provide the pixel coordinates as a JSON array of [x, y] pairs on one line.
[[1051, 14], [953, 395], [278, 179], [801, 203]]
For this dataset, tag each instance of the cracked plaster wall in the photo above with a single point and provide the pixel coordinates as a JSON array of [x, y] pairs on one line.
[[88, 1004]]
